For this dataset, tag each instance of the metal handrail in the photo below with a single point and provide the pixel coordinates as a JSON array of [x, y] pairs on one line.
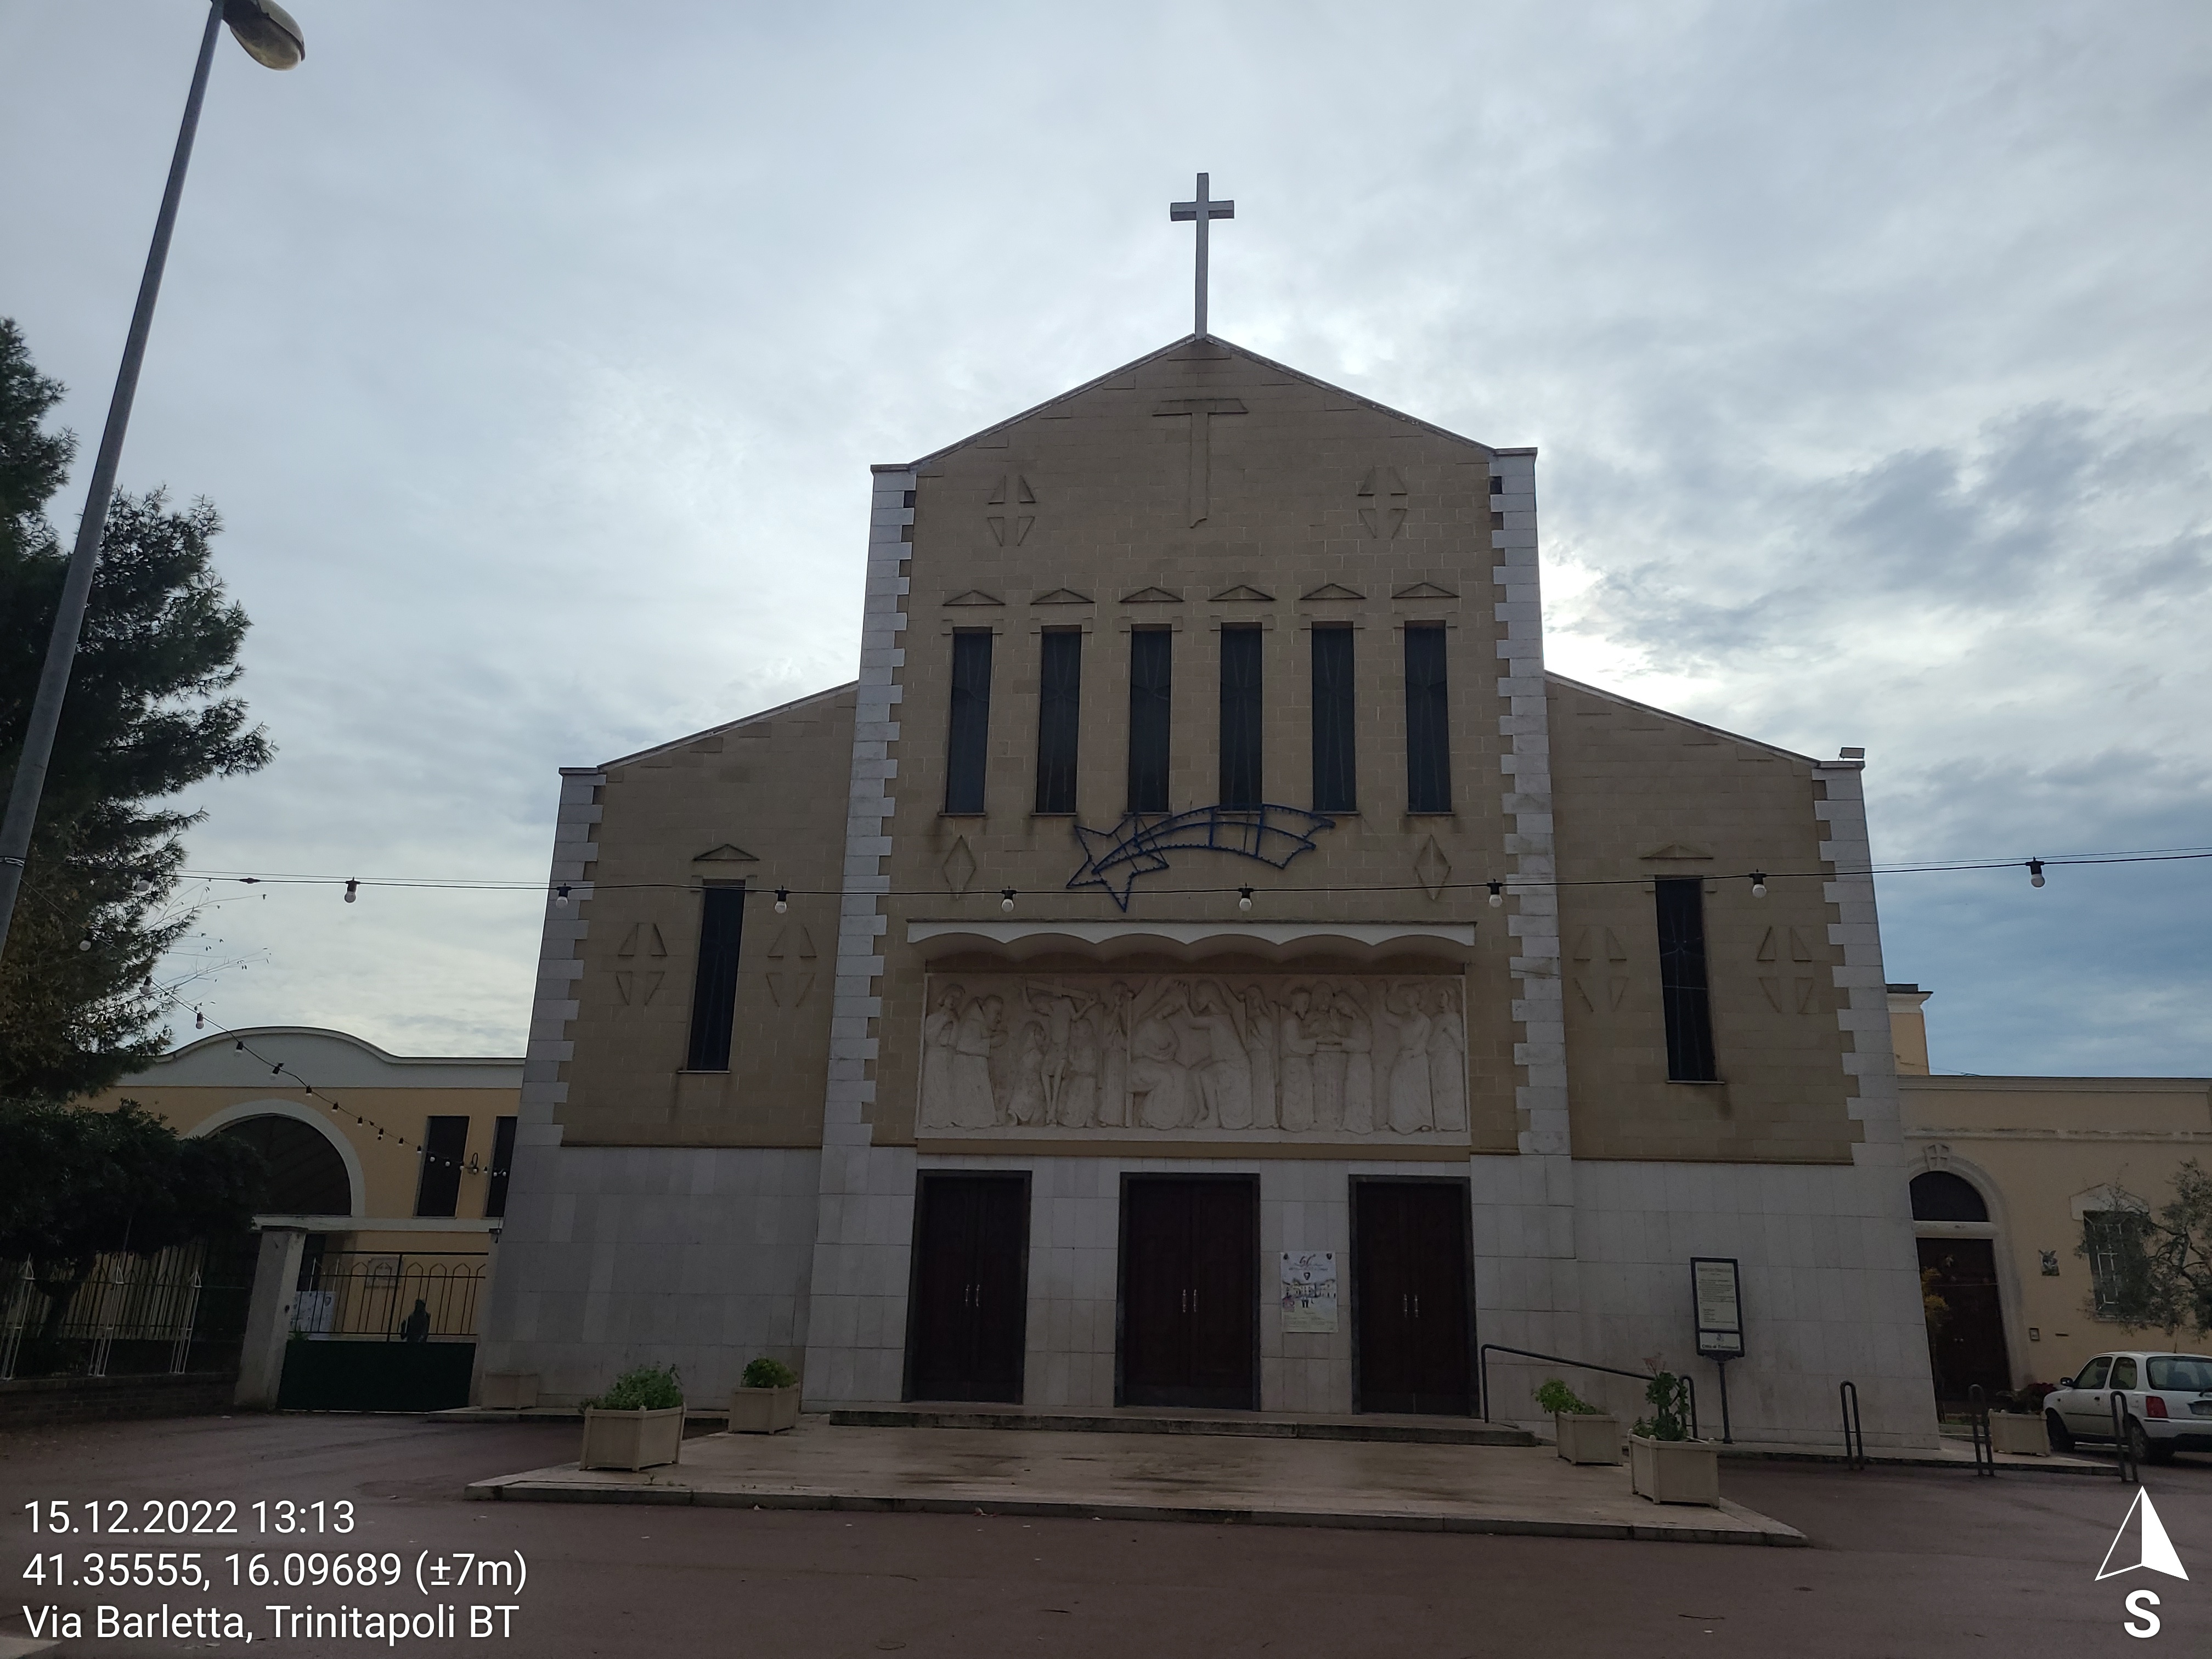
[[1847, 1395], [1977, 1426], [1482, 1368], [2123, 1455]]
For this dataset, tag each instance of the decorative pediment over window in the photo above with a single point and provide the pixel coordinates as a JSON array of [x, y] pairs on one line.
[[1677, 849], [1331, 590], [1061, 596], [974, 596], [1242, 593], [727, 852], [1425, 591], [1151, 596]]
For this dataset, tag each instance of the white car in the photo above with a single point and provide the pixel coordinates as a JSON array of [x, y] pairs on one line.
[[2165, 1404]]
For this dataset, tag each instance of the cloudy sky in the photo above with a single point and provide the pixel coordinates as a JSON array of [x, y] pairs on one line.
[[536, 354]]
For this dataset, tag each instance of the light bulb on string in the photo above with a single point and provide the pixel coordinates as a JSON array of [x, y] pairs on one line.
[[1005, 898], [561, 896], [1759, 883], [1497, 894], [1243, 898], [85, 944], [2035, 872], [353, 890], [199, 1020], [782, 900]]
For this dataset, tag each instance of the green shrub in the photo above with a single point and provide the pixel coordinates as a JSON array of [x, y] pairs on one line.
[[643, 1387], [1557, 1398], [765, 1373], [1669, 1398]]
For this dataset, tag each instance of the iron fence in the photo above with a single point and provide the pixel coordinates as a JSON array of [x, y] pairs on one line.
[[427, 1296], [132, 1313]]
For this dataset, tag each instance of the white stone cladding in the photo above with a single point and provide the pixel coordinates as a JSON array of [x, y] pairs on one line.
[[856, 1332], [1525, 1242]]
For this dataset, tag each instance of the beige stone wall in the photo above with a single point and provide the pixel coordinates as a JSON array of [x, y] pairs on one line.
[[1103, 543], [2041, 1151], [1640, 794], [760, 801]]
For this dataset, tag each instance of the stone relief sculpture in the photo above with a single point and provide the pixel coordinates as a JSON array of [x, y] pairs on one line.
[[1196, 1054]]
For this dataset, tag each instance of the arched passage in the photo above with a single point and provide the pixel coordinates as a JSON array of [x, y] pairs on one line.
[[310, 1172]]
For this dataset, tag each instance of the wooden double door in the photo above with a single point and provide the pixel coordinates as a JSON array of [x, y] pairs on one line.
[[1190, 1292], [970, 1304], [1410, 1266], [1966, 1337]]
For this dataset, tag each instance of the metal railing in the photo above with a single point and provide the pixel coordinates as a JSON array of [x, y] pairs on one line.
[[1978, 1427], [1482, 1370], [386, 1295], [149, 1303], [1855, 1455], [2124, 1450]]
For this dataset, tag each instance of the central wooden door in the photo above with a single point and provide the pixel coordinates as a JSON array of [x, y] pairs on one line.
[[1409, 1262], [1965, 1335], [1190, 1310], [970, 1298]]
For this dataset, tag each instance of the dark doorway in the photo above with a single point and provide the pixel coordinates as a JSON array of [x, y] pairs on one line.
[[306, 1176], [1409, 1262], [1190, 1310], [1966, 1321], [970, 1301]]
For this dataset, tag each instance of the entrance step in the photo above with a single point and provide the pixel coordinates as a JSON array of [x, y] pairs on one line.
[[1141, 1420]]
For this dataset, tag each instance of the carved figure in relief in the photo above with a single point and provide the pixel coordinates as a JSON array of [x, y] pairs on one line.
[[1061, 1009], [1328, 1060], [1114, 1060], [1260, 1035], [1448, 1061], [974, 1105], [1026, 1103], [1078, 1085], [1356, 1038], [1410, 1108], [940, 1034], [1297, 1111], [1224, 1079], [1155, 1071]]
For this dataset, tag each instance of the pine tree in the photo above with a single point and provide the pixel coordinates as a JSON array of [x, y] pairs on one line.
[[149, 712]]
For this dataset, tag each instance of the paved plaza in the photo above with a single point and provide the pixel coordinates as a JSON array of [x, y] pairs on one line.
[[1898, 1561]]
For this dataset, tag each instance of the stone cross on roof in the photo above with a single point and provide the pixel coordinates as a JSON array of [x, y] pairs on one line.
[[1202, 211]]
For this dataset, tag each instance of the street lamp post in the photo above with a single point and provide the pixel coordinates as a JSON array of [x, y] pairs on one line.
[[270, 37]]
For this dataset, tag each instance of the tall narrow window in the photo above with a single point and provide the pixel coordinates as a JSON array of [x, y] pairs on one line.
[[502, 1165], [969, 748], [1240, 717], [1682, 989], [714, 988], [445, 1143], [1060, 707], [1151, 668], [1428, 730], [1333, 772]]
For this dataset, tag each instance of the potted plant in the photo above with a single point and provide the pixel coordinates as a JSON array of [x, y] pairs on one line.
[[2023, 1433], [767, 1400], [637, 1424], [1664, 1463], [1584, 1433]]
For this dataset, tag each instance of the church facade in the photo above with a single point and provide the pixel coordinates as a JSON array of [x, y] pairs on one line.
[[1206, 961]]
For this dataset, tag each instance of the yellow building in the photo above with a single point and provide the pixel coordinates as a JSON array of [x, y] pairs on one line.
[[2008, 1174]]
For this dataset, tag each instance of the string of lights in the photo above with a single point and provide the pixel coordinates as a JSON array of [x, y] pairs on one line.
[[1497, 887]]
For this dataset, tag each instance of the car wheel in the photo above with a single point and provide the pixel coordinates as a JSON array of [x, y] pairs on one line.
[[2140, 1448], [2062, 1437]]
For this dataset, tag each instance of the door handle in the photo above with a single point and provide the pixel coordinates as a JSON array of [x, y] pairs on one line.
[[1417, 1304], [1405, 1304]]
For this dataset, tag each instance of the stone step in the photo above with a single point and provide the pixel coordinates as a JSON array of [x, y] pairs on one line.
[[1432, 1431]]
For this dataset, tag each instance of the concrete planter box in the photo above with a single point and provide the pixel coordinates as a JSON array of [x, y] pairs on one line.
[[763, 1410], [1585, 1438], [509, 1391], [1676, 1471], [2016, 1433], [631, 1440]]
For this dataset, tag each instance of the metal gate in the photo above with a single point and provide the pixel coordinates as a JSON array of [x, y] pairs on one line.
[[382, 1331], [181, 1309]]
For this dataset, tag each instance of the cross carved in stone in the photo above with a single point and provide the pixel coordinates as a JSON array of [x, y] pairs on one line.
[[1201, 411], [1203, 211]]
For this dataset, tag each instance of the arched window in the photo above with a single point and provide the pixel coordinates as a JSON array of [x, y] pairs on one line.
[[1939, 1195], [306, 1176]]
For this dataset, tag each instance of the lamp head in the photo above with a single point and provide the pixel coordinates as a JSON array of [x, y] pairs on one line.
[[267, 32]]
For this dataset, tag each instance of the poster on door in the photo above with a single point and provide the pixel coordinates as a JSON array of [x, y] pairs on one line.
[[1309, 1290]]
